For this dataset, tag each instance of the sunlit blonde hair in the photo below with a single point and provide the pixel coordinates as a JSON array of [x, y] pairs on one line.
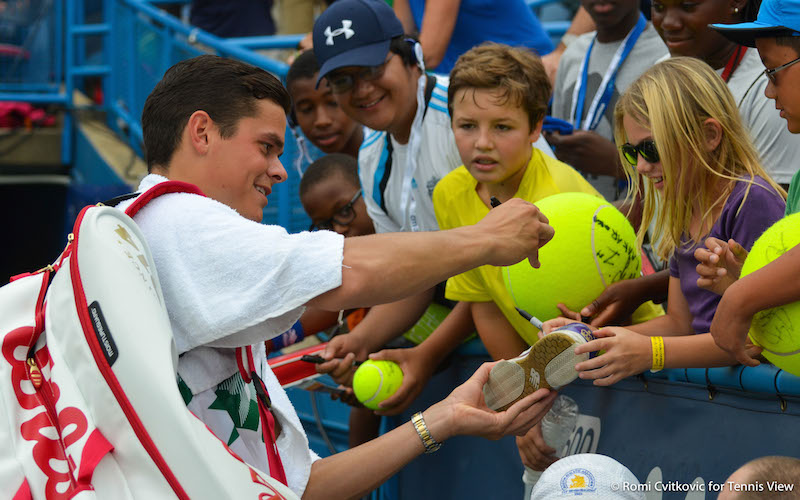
[[673, 99]]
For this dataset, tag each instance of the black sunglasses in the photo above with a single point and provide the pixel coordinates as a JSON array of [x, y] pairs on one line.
[[342, 217], [646, 148]]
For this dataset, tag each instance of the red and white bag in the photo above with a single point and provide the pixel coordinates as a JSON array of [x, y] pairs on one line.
[[89, 405]]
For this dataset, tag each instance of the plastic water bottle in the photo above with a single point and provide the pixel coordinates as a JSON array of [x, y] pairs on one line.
[[557, 426]]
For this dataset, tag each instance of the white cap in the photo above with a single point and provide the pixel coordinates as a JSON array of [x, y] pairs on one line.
[[586, 476]]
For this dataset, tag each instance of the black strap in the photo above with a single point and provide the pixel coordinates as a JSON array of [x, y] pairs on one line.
[[113, 202], [430, 84]]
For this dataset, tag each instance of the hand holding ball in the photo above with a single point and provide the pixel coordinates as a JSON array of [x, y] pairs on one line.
[[777, 330], [375, 381]]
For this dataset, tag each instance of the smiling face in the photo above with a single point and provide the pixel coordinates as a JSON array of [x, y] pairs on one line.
[[493, 136], [683, 25], [321, 118], [636, 133], [787, 81], [240, 171], [328, 199], [388, 102]]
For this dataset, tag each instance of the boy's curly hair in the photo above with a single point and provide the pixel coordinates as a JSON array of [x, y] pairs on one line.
[[516, 72]]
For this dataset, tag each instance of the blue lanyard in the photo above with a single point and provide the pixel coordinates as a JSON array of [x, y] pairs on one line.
[[606, 90]]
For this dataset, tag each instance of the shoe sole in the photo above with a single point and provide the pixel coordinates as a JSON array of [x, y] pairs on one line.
[[549, 364]]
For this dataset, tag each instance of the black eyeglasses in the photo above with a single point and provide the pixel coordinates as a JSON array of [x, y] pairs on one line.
[[342, 217], [771, 72], [646, 148], [344, 82]]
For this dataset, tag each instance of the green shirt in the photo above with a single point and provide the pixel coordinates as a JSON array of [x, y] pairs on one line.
[[793, 200]]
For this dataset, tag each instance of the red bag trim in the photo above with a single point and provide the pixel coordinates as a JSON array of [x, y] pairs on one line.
[[100, 360], [24, 492], [97, 447]]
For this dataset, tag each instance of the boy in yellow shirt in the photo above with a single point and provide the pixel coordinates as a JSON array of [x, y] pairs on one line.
[[497, 100]]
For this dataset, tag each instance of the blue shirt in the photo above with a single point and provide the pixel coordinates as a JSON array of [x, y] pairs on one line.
[[502, 21]]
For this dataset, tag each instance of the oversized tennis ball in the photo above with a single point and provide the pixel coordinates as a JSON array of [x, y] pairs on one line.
[[777, 330], [594, 246], [375, 381]]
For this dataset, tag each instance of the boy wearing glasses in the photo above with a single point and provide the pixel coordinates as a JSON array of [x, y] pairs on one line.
[[377, 76], [776, 35]]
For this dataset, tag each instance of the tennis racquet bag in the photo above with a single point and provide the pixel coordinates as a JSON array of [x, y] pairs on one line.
[[89, 404]]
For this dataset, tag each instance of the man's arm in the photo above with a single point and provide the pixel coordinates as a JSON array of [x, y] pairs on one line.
[[438, 22], [382, 268], [355, 472]]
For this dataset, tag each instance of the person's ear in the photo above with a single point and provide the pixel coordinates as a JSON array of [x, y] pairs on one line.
[[536, 131], [197, 130], [738, 7], [713, 132]]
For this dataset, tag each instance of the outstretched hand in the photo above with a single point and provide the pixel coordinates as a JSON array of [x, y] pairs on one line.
[[720, 264], [615, 305], [340, 353], [417, 370], [729, 329], [516, 230], [464, 411], [626, 353]]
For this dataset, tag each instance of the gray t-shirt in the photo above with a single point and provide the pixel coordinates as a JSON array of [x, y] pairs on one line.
[[648, 49]]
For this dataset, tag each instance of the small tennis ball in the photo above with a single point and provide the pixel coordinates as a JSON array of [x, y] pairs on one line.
[[594, 246], [777, 330], [374, 381]]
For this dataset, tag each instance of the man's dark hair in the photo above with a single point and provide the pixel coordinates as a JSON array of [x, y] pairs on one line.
[[789, 41], [305, 66], [328, 166], [226, 89], [404, 47]]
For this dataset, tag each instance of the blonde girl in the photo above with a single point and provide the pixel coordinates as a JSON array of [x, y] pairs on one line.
[[682, 141]]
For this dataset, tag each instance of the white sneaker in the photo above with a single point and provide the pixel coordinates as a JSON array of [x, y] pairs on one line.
[[549, 363]]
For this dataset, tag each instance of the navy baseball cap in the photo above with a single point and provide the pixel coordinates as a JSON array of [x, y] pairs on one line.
[[354, 33], [775, 18]]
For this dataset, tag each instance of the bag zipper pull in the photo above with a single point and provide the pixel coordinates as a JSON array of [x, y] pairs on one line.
[[34, 373]]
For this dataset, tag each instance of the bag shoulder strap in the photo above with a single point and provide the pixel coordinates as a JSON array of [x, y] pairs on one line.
[[159, 189]]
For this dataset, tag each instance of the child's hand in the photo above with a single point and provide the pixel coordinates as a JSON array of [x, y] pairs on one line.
[[417, 370], [341, 352], [616, 304], [720, 264], [555, 323], [585, 150], [533, 450], [729, 328], [626, 353]]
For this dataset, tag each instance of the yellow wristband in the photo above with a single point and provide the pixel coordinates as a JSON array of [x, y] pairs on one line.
[[658, 353]]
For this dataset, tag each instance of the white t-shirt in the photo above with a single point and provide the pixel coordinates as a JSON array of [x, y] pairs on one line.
[[229, 282], [438, 155], [648, 49], [777, 147]]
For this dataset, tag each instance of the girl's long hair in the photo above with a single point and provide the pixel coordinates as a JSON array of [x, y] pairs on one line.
[[673, 99]]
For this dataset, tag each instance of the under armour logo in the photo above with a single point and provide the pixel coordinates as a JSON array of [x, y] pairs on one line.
[[345, 29]]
